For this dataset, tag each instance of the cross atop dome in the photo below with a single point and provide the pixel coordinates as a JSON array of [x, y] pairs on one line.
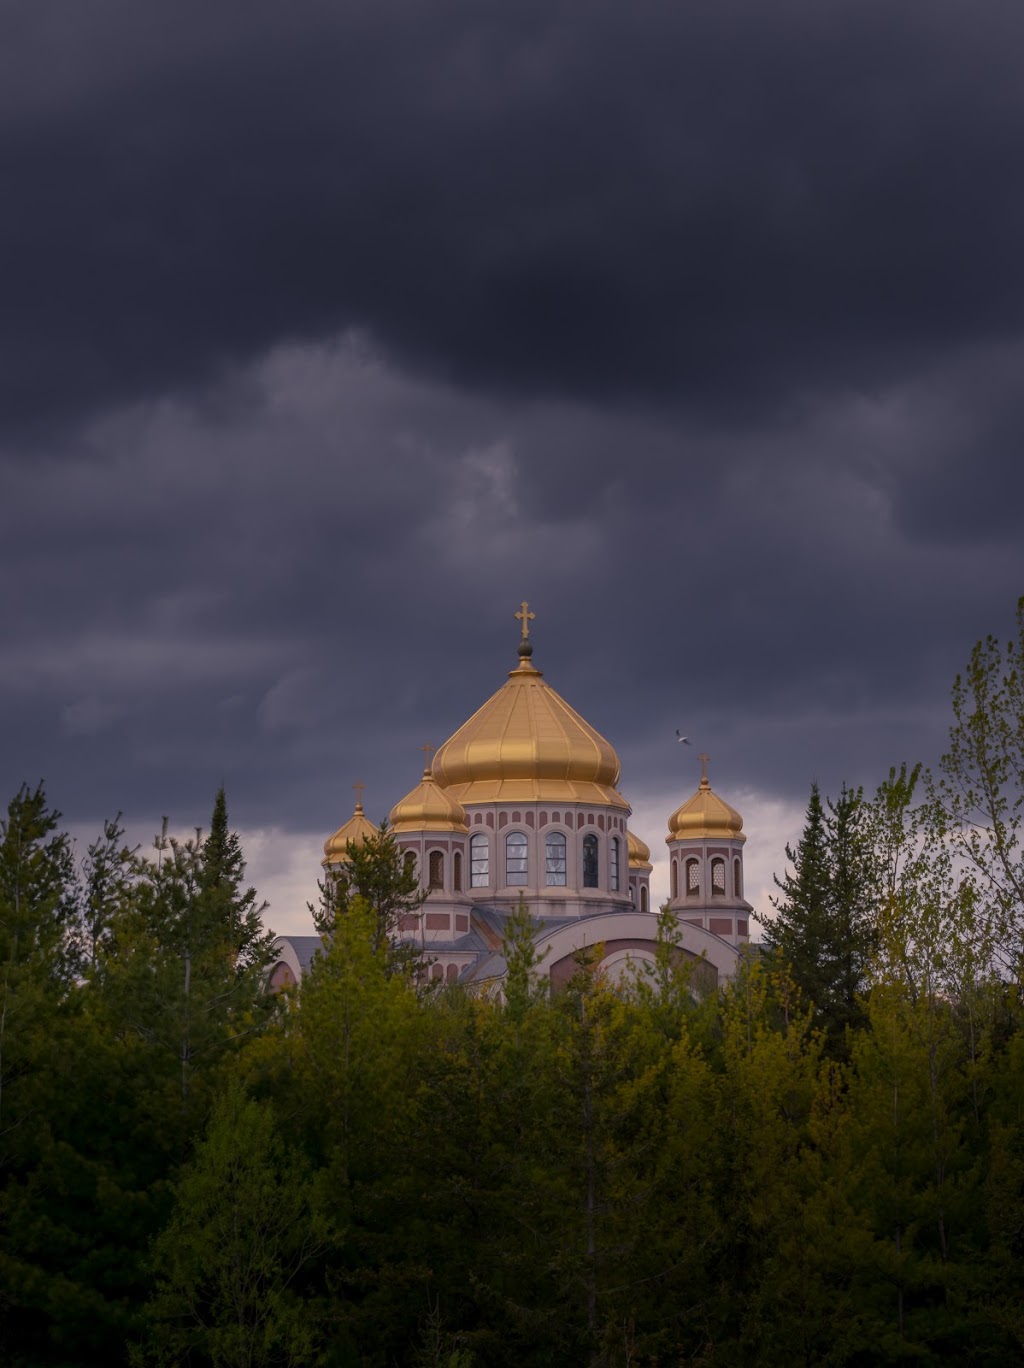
[[525, 617], [704, 769]]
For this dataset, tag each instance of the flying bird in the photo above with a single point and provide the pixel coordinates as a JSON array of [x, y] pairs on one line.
[[684, 739]]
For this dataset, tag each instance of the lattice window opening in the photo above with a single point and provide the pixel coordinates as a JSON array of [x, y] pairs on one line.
[[435, 868], [718, 878]]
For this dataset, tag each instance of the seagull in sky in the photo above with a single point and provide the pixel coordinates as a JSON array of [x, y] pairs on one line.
[[685, 740]]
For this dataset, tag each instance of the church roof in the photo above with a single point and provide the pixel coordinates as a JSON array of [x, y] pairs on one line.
[[526, 744]]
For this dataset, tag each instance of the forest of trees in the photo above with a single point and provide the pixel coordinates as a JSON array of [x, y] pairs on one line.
[[822, 1163]]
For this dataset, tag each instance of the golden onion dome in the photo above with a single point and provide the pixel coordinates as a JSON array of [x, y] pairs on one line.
[[705, 815], [639, 852], [527, 745], [356, 829], [428, 808]]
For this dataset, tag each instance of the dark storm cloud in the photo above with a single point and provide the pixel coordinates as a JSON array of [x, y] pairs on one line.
[[719, 206], [329, 333]]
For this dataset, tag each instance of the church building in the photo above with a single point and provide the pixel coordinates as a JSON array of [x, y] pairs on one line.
[[522, 801]]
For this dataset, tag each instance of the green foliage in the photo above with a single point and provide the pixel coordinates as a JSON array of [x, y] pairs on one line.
[[186, 975], [978, 795], [524, 985], [376, 873], [825, 924], [247, 1224]]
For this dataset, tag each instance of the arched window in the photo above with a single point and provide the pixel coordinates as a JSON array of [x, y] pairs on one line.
[[457, 871], [436, 869], [737, 880], [451, 973], [554, 859], [479, 862], [643, 897], [516, 859], [675, 878], [692, 878], [615, 864], [410, 863], [590, 864], [718, 878]]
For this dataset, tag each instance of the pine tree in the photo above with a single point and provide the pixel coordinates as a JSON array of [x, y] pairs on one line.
[[187, 971], [824, 928], [37, 913], [246, 1225], [376, 874]]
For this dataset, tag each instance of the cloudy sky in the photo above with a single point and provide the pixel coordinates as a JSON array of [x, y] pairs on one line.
[[330, 331]]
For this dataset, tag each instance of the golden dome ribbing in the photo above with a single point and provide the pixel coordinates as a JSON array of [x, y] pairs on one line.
[[703, 816], [356, 830], [428, 808], [526, 744]]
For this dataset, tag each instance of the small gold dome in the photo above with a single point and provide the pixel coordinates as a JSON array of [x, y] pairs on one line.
[[428, 808], [639, 852], [527, 745], [356, 830], [705, 815]]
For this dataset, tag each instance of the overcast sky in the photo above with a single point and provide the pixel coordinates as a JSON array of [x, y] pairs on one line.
[[330, 331]]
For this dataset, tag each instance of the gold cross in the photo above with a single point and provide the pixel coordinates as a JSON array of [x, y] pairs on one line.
[[359, 786], [428, 751], [525, 617], [703, 767]]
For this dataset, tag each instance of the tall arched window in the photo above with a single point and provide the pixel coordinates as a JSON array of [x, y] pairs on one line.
[[718, 878], [737, 881], [410, 863], [643, 897], [554, 859], [516, 859], [590, 863], [457, 871], [479, 862], [675, 878], [692, 878], [615, 864], [436, 869]]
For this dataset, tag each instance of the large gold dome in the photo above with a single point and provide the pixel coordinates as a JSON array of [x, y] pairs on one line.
[[527, 745], [705, 816]]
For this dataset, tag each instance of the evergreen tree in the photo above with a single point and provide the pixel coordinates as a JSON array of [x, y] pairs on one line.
[[376, 873], [247, 1223], [107, 873], [824, 927], [37, 914], [187, 971]]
